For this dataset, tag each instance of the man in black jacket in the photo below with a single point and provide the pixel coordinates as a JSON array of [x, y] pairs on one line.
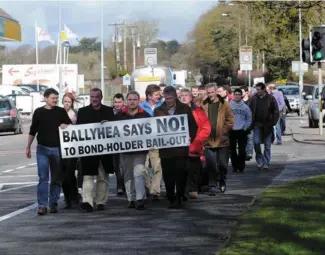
[[173, 160], [95, 166]]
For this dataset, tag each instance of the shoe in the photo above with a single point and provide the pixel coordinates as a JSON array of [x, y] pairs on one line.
[[68, 205], [266, 167], [259, 166], [234, 170], [100, 207], [139, 205], [155, 198], [131, 204], [176, 204], [193, 195], [120, 192], [42, 211], [86, 206], [185, 198], [222, 186], [249, 157], [213, 191], [54, 208]]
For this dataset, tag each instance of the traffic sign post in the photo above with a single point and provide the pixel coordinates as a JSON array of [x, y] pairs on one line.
[[127, 81], [150, 56], [246, 60]]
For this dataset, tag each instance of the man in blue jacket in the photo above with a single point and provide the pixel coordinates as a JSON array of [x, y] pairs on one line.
[[153, 100]]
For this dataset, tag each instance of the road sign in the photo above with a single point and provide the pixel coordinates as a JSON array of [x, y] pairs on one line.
[[150, 56], [295, 67], [246, 58], [127, 80]]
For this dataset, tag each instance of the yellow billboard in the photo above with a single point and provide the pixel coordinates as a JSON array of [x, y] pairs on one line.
[[12, 30]]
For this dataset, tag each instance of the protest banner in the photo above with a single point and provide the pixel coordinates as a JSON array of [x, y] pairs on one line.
[[124, 136]]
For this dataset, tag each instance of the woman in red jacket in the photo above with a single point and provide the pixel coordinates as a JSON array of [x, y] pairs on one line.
[[196, 147]]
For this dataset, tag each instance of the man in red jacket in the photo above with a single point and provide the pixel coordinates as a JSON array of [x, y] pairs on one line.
[[196, 147]]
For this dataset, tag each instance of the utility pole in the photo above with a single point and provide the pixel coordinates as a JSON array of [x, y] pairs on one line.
[[124, 47], [133, 44], [301, 74]]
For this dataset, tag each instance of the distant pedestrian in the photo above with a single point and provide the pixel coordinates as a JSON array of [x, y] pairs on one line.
[[45, 123], [217, 145], [239, 132], [265, 114]]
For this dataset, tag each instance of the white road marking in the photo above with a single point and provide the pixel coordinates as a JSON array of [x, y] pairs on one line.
[[18, 176], [32, 164], [15, 213], [1, 186], [20, 211], [21, 183], [21, 167], [8, 171]]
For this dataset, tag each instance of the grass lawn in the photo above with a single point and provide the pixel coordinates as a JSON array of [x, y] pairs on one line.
[[288, 219]]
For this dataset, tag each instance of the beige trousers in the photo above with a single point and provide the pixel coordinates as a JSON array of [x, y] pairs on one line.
[[88, 186], [154, 187]]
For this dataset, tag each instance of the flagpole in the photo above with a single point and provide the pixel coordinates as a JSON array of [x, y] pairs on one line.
[[102, 50], [36, 48], [60, 59]]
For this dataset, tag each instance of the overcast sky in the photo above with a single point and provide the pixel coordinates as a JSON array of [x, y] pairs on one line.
[[175, 18]]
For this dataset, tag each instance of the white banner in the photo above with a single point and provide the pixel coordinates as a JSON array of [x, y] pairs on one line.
[[124, 136], [47, 74]]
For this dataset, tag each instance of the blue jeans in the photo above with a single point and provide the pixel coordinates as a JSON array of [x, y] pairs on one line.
[[250, 144], [262, 158], [278, 130], [48, 159]]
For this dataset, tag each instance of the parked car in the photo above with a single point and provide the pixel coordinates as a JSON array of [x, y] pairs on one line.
[[310, 93], [33, 87], [292, 94], [9, 90], [10, 120]]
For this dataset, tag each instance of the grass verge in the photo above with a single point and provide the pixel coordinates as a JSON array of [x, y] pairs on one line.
[[285, 220]]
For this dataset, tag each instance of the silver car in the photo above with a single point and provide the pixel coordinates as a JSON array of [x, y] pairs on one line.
[[310, 93], [292, 94]]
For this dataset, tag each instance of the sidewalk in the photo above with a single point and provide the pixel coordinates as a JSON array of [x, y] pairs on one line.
[[301, 133]]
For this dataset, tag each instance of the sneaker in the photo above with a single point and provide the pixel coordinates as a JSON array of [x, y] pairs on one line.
[[259, 166], [155, 197], [222, 186], [249, 157], [54, 208], [213, 191], [185, 198], [120, 192], [177, 204], [193, 195], [265, 167], [42, 211]]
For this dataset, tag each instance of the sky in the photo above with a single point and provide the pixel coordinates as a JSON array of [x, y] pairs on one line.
[[175, 17]]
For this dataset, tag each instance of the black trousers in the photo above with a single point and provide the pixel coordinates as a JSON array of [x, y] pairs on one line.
[[174, 173], [117, 170], [238, 139], [69, 183], [194, 173]]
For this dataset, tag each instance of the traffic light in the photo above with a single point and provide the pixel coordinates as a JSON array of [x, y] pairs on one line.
[[318, 44], [306, 51]]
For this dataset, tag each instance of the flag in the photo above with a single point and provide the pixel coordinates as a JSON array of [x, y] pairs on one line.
[[63, 36], [70, 34], [42, 35]]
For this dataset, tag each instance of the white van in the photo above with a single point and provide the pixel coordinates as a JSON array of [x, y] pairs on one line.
[[6, 90]]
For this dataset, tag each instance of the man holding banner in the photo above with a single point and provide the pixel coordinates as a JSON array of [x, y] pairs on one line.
[[133, 162], [95, 166], [174, 160]]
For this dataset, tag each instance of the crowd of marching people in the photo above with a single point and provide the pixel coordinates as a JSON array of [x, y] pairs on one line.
[[223, 125]]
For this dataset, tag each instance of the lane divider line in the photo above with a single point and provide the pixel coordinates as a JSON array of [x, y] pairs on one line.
[[20, 211], [21, 167], [8, 171], [21, 187], [18, 168]]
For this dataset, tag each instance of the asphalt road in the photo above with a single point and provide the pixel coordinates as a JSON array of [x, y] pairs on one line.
[[201, 228]]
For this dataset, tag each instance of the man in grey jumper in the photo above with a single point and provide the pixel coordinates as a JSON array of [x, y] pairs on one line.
[[238, 134]]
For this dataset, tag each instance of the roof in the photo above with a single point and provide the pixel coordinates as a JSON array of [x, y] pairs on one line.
[[3, 14]]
